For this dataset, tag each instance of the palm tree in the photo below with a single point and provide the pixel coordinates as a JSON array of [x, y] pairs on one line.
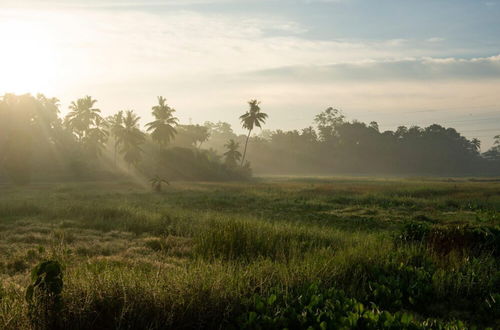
[[232, 154], [156, 183], [82, 116], [476, 144], [131, 138], [253, 117], [96, 138], [162, 128], [115, 124]]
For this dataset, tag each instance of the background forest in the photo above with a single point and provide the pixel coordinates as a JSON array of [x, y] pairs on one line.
[[36, 141]]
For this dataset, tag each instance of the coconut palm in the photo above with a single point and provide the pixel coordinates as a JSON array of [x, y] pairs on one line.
[[82, 116], [131, 138], [232, 154], [115, 124], [476, 144], [162, 128], [252, 118], [96, 138], [156, 183]]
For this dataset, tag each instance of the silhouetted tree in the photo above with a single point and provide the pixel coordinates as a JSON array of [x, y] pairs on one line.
[[252, 118], [96, 138], [82, 116], [46, 116], [232, 154], [191, 135], [220, 133], [494, 152], [115, 124], [157, 183], [476, 144], [327, 122], [162, 128], [132, 138]]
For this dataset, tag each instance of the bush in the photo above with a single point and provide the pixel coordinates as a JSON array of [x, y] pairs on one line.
[[44, 295]]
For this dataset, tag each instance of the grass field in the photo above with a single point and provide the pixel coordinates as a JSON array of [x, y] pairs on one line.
[[287, 252]]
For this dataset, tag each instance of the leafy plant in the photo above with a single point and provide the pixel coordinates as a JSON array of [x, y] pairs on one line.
[[156, 183], [44, 294], [401, 286], [326, 308]]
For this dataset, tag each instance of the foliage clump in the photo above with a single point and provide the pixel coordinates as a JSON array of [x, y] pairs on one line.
[[43, 295], [157, 183], [327, 308]]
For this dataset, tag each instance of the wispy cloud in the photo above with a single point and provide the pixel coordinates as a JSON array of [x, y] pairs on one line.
[[409, 69]]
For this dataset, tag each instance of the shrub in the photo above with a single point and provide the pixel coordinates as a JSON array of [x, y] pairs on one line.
[[44, 295]]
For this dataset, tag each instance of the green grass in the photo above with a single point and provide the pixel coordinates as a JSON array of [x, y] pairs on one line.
[[198, 254]]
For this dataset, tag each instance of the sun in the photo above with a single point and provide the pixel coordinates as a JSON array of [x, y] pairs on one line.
[[28, 56]]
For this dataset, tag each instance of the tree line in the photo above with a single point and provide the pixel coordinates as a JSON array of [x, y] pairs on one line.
[[36, 141], [335, 145]]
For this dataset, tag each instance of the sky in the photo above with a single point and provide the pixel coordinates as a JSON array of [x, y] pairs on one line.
[[397, 62]]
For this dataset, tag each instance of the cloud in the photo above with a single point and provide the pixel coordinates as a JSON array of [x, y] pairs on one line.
[[98, 45], [209, 63], [410, 69]]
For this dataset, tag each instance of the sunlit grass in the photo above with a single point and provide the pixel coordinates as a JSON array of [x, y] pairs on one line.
[[195, 255]]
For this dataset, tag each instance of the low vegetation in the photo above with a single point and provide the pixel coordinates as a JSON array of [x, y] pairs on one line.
[[324, 253]]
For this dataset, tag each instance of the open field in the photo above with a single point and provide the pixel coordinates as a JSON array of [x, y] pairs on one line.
[[287, 252]]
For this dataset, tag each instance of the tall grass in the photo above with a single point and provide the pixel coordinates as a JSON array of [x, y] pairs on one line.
[[195, 258]]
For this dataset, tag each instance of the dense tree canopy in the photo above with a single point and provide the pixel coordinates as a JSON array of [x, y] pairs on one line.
[[340, 146], [36, 142]]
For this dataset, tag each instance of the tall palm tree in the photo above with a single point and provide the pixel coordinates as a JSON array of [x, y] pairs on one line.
[[232, 154], [132, 138], [252, 118], [96, 138], [82, 116], [162, 128], [115, 124]]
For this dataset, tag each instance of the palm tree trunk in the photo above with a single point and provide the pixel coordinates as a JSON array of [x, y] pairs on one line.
[[158, 161], [245, 151], [115, 156]]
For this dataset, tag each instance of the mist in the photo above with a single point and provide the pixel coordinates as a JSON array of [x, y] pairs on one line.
[[37, 143]]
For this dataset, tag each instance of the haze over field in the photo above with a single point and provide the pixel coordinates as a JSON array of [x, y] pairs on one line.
[[414, 64], [249, 164]]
